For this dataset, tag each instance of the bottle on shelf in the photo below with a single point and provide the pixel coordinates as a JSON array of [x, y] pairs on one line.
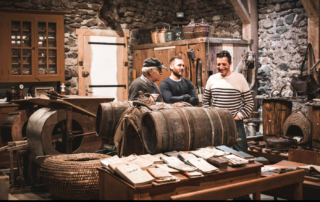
[[178, 33]]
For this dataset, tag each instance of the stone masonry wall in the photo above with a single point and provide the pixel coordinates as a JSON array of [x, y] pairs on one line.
[[282, 29], [139, 16], [283, 41]]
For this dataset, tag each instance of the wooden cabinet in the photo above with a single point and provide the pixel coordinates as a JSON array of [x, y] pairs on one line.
[[32, 46], [205, 49]]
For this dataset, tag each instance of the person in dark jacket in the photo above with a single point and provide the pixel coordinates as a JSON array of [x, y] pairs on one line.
[[151, 72], [178, 89]]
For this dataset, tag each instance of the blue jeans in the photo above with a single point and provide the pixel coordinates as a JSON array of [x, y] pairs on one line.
[[242, 145]]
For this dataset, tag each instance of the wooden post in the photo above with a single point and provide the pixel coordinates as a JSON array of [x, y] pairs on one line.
[[313, 12]]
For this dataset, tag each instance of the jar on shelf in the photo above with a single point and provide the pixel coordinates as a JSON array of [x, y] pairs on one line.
[[169, 35], [178, 33], [188, 31], [161, 35], [154, 35]]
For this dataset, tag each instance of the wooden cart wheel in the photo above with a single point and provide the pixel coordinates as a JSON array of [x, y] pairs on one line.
[[47, 133]]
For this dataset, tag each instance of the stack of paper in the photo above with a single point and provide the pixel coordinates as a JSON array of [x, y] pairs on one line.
[[162, 176], [173, 153], [175, 163], [235, 160], [151, 158], [167, 168], [203, 165], [194, 174]]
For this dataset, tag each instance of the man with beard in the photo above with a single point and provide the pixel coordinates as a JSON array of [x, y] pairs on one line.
[[229, 90], [178, 89]]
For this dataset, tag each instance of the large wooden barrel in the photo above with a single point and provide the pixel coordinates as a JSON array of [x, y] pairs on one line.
[[108, 116], [188, 128], [13, 127]]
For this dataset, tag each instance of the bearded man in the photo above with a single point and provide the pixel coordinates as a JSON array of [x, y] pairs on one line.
[[178, 89]]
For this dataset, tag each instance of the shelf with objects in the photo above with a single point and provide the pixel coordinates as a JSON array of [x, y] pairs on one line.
[[33, 46]]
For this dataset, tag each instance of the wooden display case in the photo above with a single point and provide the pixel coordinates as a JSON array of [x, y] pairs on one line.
[[32, 46]]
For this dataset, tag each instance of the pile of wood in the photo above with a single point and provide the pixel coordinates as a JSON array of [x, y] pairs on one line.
[[15, 145]]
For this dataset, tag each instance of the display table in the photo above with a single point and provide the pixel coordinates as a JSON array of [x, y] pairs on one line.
[[112, 187], [272, 157], [310, 188]]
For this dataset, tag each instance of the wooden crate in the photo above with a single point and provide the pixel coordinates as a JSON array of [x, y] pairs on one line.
[[316, 127], [274, 114]]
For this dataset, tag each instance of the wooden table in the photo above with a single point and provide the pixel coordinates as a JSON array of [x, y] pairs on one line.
[[273, 158], [311, 189], [111, 187]]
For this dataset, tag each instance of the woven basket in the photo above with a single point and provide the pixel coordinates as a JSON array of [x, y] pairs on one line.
[[298, 120], [201, 34], [188, 35], [72, 176]]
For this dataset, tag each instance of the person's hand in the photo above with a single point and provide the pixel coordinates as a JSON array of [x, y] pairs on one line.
[[186, 97], [154, 96], [236, 118]]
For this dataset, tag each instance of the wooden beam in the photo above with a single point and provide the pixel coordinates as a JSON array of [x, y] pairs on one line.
[[241, 11], [312, 8], [252, 186]]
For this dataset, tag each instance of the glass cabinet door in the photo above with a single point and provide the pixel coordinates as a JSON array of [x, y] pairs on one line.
[[21, 48], [47, 48]]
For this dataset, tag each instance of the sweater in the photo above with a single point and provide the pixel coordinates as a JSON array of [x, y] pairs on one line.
[[179, 91], [144, 85], [231, 93]]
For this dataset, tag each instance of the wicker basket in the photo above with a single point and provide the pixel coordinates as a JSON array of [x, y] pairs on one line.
[[202, 29], [298, 119], [188, 35], [73, 176]]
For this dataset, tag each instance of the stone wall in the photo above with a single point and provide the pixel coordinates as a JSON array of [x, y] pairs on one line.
[[283, 41]]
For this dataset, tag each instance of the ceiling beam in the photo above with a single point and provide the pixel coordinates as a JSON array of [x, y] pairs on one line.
[[312, 8], [241, 11]]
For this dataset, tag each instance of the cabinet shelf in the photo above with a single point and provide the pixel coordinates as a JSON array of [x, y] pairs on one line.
[[24, 38]]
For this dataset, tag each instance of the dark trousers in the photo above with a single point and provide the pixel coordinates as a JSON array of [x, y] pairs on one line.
[[242, 145]]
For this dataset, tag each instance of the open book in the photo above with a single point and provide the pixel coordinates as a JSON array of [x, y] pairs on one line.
[[112, 160], [134, 159], [311, 168], [134, 175], [206, 153], [151, 158]]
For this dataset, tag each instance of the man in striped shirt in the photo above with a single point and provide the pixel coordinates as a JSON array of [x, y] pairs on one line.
[[229, 90]]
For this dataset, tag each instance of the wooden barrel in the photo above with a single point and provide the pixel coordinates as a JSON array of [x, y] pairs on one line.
[[108, 117], [13, 127], [188, 128]]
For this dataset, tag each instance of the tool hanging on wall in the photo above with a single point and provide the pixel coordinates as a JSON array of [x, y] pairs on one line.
[[191, 56], [199, 86]]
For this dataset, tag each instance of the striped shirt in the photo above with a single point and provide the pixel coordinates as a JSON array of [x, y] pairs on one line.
[[231, 93]]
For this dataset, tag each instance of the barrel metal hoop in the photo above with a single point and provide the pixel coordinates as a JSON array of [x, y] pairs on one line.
[[186, 127], [170, 131], [212, 127], [192, 121], [222, 128]]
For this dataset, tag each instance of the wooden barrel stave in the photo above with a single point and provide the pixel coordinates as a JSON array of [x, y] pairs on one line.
[[156, 125], [108, 116]]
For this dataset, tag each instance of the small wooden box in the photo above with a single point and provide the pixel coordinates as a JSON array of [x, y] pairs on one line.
[[218, 162], [4, 186]]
